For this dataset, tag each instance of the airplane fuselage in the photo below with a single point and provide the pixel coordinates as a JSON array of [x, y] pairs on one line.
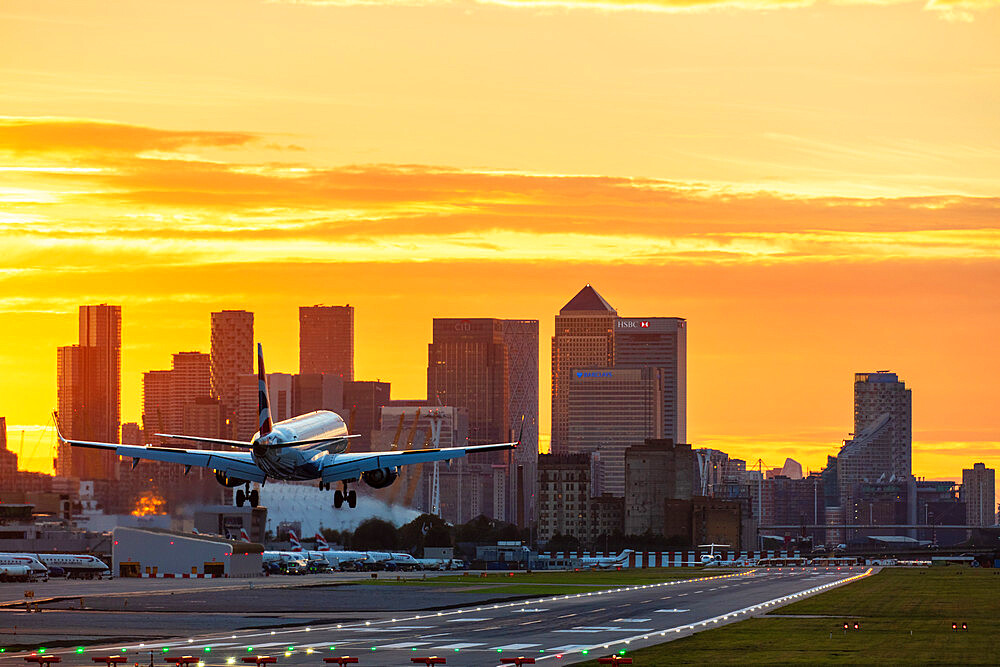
[[306, 461]]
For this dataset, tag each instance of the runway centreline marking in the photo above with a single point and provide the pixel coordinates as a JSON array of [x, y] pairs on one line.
[[715, 620], [361, 626]]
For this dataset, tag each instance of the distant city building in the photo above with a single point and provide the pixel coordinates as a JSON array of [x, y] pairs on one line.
[[584, 337], [564, 496], [522, 343], [659, 342], [326, 340], [317, 391], [363, 400], [880, 450], [655, 470], [279, 392], [232, 356], [609, 410], [490, 367], [701, 520], [979, 494], [882, 393], [167, 394], [88, 379], [14, 481]]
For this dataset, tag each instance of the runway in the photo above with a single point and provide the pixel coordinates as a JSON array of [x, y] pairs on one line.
[[560, 629]]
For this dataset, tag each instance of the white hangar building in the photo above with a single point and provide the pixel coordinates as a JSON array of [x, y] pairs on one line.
[[149, 552]]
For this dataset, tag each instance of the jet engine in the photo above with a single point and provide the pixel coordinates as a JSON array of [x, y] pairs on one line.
[[381, 478], [228, 482]]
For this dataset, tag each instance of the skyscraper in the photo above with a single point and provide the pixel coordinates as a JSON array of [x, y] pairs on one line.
[[521, 342], [88, 378], [467, 367], [326, 340], [659, 342], [584, 337], [882, 393], [979, 495], [232, 356], [610, 410]]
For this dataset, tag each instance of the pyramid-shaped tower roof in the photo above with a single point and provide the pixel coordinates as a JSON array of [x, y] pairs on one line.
[[587, 300]]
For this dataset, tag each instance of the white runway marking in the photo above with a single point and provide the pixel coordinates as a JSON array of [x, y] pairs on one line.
[[566, 647], [531, 622], [460, 645], [669, 611], [632, 620], [513, 647], [405, 645]]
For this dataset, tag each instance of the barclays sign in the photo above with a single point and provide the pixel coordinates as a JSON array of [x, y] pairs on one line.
[[593, 374]]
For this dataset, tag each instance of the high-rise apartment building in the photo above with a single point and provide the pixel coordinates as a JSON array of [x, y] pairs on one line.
[[659, 342], [882, 393], [101, 329], [979, 495], [584, 337], [232, 356], [610, 410], [88, 377], [326, 340]]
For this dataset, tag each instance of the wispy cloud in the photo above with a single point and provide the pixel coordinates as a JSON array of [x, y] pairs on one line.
[[950, 9]]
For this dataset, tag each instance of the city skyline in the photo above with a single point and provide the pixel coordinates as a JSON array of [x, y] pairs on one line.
[[813, 187], [813, 463]]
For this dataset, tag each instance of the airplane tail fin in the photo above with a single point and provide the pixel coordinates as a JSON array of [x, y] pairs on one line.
[[243, 535], [321, 543], [294, 539], [263, 402]]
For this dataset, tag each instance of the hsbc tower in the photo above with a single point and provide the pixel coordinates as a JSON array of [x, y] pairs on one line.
[[659, 342]]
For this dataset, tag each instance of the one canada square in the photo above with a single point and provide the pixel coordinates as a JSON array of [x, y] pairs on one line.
[[593, 350]]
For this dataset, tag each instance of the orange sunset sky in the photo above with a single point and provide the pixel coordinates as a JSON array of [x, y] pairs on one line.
[[815, 186]]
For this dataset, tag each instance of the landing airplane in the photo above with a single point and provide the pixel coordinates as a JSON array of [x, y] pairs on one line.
[[310, 446]]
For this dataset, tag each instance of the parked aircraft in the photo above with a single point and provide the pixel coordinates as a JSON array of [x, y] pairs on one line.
[[309, 446], [84, 566], [22, 566]]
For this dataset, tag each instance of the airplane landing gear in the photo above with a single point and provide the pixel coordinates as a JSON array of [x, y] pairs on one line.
[[340, 497], [242, 496]]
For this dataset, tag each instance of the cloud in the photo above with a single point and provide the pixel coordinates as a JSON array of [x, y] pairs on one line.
[[70, 135], [949, 9], [111, 192]]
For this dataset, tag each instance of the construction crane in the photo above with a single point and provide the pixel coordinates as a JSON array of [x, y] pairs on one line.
[[395, 489], [399, 429], [416, 472]]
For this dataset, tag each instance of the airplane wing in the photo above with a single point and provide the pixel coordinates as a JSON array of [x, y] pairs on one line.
[[349, 466], [232, 464]]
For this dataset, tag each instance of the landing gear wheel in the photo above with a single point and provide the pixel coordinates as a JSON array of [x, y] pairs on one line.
[[352, 498], [254, 498], [338, 499], [241, 497]]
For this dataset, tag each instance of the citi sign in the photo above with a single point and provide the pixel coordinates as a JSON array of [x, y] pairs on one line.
[[593, 374], [633, 324]]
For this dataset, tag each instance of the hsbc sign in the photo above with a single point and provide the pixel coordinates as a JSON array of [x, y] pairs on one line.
[[632, 324]]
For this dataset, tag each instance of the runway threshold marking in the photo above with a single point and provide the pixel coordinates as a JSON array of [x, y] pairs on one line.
[[513, 647], [460, 645]]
